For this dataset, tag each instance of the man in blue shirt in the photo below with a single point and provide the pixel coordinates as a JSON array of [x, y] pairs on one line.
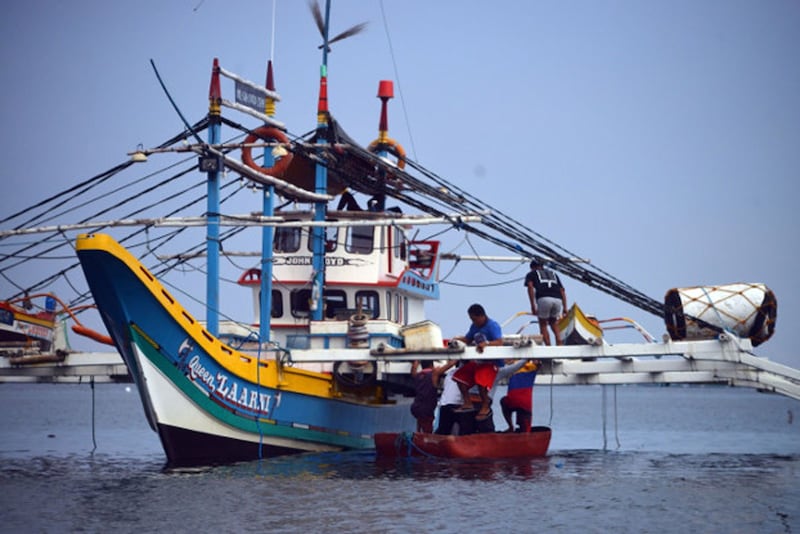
[[482, 332]]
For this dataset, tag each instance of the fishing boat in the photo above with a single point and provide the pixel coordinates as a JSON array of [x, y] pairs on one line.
[[23, 328], [211, 403], [491, 445], [339, 297], [576, 328]]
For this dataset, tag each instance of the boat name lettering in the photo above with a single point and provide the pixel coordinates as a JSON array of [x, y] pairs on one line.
[[335, 261], [257, 401], [223, 387], [197, 371]]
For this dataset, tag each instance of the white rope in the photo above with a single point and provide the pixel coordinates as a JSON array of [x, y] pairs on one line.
[[605, 413], [272, 37]]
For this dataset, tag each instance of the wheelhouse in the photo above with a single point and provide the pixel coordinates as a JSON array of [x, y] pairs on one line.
[[372, 270]]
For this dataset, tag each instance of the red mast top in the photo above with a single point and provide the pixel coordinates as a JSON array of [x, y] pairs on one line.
[[269, 103], [322, 106], [385, 92], [214, 91]]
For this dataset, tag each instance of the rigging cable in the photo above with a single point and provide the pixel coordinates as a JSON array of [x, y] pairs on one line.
[[94, 439], [160, 201], [87, 219], [101, 177], [499, 228], [397, 77]]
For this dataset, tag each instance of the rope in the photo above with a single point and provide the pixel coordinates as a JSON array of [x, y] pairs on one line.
[[174, 105], [258, 394], [85, 295], [604, 416], [99, 178], [550, 420], [94, 440], [397, 77], [272, 33], [432, 194], [405, 440], [616, 421], [713, 307], [357, 333]]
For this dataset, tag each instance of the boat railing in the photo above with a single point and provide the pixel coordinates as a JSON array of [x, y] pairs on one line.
[[625, 323], [614, 323], [520, 329]]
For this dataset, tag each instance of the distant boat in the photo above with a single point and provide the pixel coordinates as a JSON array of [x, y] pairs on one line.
[[492, 445], [578, 329], [22, 328]]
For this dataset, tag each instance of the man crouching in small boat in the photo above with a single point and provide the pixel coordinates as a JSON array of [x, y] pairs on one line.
[[519, 398], [426, 381], [482, 332]]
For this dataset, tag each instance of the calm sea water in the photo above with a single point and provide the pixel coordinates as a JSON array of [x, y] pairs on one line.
[[625, 459]]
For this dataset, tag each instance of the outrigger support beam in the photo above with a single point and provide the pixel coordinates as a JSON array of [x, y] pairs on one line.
[[725, 360]]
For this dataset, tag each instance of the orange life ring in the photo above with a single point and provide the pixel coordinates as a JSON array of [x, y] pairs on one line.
[[266, 134], [391, 146]]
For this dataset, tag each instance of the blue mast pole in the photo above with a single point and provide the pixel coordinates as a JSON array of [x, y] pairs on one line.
[[267, 232], [320, 182], [213, 207]]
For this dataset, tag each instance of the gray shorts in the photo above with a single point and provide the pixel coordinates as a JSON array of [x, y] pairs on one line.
[[549, 308]]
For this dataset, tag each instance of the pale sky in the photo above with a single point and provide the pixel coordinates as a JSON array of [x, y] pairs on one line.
[[660, 140]]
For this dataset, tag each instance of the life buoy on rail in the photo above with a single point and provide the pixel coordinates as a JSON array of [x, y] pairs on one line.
[[391, 146], [266, 134]]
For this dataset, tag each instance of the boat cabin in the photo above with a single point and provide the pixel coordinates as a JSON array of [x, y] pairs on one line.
[[373, 274]]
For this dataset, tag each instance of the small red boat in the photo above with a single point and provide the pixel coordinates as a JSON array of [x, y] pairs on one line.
[[490, 445]]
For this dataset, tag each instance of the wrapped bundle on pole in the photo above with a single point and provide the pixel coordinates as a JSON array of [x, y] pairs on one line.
[[747, 310]]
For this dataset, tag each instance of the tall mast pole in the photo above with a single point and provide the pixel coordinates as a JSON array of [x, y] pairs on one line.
[[212, 231], [321, 181], [267, 233]]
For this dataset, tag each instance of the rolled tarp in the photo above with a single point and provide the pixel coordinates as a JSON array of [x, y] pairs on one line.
[[702, 312]]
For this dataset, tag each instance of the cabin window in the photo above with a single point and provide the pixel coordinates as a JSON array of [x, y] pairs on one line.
[[398, 315], [399, 244], [405, 310], [389, 308], [300, 302], [368, 302], [360, 239], [331, 238], [277, 303], [287, 239], [335, 303]]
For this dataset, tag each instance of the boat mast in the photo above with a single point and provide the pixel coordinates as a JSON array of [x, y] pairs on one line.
[[267, 233], [321, 181], [212, 231]]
